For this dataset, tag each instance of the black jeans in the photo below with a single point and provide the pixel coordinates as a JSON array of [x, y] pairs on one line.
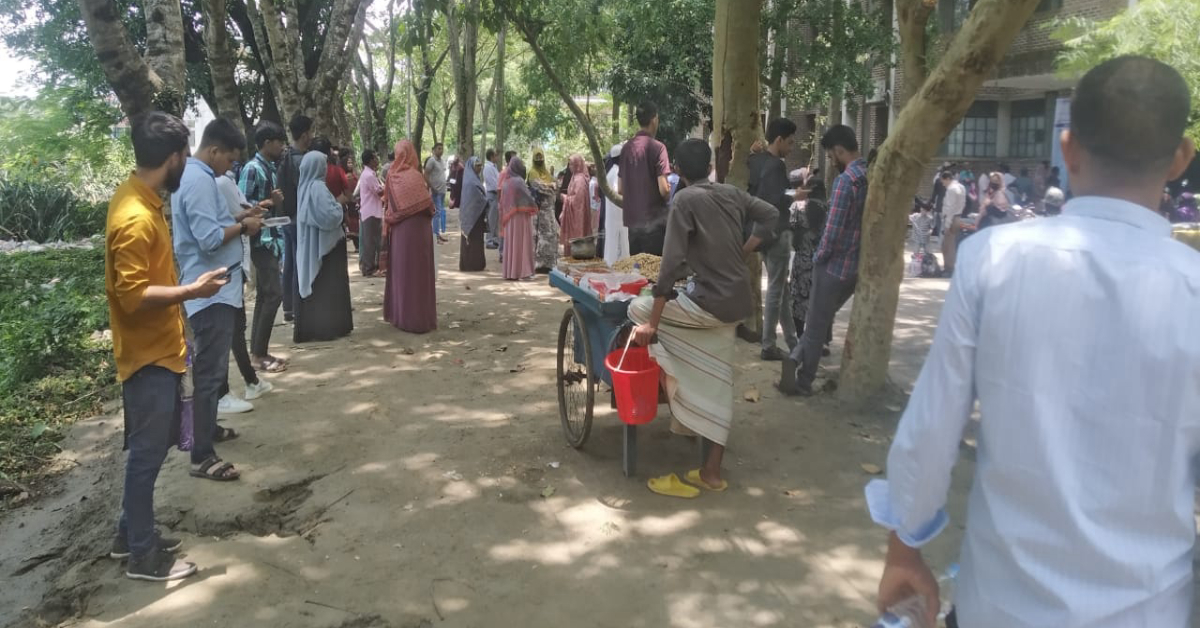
[[212, 329], [647, 239], [151, 399], [241, 355], [291, 281], [829, 294], [269, 294]]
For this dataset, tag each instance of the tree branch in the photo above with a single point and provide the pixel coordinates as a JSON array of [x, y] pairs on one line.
[[130, 77]]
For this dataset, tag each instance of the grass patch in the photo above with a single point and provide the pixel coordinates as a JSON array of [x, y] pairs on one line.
[[55, 368]]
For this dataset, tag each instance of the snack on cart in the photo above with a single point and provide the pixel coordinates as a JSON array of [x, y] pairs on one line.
[[643, 263]]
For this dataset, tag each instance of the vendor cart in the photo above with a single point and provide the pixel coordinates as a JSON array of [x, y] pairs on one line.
[[589, 331]]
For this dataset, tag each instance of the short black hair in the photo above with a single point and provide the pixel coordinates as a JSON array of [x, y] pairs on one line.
[[322, 145], [1129, 114], [646, 112], [368, 156], [840, 135], [693, 157], [300, 125], [437, 146], [508, 155], [392, 156], [224, 135], [780, 127], [156, 136], [491, 154], [266, 132], [946, 174]]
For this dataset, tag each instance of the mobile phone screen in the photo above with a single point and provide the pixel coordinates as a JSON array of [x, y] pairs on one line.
[[233, 268]]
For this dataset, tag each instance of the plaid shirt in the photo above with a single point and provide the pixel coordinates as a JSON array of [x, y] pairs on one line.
[[257, 181], [843, 230]]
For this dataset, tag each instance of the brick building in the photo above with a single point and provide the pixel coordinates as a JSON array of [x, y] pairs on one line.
[[1012, 118]]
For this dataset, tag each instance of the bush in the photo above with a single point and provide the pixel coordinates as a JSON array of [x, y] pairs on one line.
[[54, 368], [42, 211]]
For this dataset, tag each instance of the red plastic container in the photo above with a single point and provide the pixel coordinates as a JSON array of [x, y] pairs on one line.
[[635, 385]]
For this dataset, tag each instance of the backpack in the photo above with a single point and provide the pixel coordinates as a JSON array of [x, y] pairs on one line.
[[929, 266]]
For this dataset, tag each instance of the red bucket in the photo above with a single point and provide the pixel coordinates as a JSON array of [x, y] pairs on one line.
[[635, 384]]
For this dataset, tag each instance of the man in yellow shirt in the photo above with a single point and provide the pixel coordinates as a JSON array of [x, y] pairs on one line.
[[147, 327]]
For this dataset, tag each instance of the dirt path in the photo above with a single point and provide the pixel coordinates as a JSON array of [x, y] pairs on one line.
[[406, 481]]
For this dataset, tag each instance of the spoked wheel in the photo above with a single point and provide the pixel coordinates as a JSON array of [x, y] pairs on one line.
[[576, 381]]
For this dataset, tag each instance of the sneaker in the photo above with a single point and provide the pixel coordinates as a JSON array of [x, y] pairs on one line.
[[258, 389], [232, 405], [745, 334], [120, 548], [158, 567], [773, 354]]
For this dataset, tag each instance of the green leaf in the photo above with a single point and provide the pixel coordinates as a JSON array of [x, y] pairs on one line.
[[38, 429]]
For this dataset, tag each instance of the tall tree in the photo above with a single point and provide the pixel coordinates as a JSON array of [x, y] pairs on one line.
[[222, 64], [498, 87], [307, 72], [421, 37], [925, 121], [376, 98], [737, 114], [141, 82], [462, 25], [912, 16]]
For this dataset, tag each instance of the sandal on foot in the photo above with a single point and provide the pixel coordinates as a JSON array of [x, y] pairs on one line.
[[272, 365], [693, 477], [671, 486], [225, 434], [216, 470]]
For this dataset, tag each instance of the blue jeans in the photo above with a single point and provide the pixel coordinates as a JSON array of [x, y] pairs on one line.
[[439, 216], [212, 329], [493, 218], [151, 398], [291, 281]]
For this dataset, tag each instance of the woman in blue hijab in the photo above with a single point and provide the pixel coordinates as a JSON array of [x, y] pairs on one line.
[[323, 311]]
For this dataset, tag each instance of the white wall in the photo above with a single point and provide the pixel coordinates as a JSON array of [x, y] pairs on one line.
[[196, 119]]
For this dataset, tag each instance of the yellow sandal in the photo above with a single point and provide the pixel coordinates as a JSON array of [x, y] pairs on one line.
[[693, 476], [671, 486]]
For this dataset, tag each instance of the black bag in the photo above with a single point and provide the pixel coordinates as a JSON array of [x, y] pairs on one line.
[[929, 266]]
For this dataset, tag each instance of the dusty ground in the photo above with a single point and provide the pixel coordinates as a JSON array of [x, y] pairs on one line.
[[399, 480]]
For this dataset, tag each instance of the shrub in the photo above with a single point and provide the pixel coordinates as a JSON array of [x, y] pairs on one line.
[[42, 211]]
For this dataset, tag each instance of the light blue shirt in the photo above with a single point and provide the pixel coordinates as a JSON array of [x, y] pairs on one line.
[[491, 178], [1078, 337], [199, 216]]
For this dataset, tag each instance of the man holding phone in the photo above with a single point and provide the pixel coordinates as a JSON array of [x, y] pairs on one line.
[[208, 238]]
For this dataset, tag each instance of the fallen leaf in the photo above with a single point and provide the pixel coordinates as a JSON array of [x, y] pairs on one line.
[[610, 528], [548, 491], [38, 429], [553, 465], [752, 395], [468, 287], [873, 469], [519, 369], [455, 325], [893, 408], [453, 475]]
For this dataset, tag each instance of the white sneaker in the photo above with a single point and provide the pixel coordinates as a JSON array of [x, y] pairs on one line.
[[254, 391], [232, 405]]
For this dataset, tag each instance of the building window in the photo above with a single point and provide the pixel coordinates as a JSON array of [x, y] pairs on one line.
[[975, 136], [1048, 5], [1028, 137]]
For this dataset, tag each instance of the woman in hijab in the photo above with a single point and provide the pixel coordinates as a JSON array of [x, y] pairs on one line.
[[995, 203], [539, 173], [474, 201], [517, 209], [323, 311], [410, 299], [545, 224], [577, 208]]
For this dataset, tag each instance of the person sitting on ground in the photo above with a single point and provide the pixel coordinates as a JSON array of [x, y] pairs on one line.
[[1082, 509], [694, 327], [148, 339]]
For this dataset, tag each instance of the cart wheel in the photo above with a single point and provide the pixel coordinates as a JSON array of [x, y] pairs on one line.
[[576, 381]]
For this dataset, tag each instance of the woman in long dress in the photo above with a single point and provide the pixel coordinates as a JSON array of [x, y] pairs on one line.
[[517, 209], [577, 206], [473, 200], [545, 225], [323, 312], [410, 299]]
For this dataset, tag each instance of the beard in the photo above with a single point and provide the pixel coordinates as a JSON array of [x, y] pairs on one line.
[[174, 178]]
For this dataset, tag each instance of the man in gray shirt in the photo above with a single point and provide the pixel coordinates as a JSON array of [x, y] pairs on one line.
[[694, 326], [435, 176]]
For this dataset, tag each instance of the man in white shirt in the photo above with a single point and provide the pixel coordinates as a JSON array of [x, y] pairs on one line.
[[1081, 511], [435, 176], [491, 185]]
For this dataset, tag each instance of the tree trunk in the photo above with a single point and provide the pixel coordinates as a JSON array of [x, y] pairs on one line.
[[462, 27], [737, 118], [912, 16], [221, 63], [164, 51], [616, 119], [498, 84], [932, 113], [131, 78], [779, 39]]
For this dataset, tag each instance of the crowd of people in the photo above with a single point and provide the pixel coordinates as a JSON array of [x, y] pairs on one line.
[[1045, 544]]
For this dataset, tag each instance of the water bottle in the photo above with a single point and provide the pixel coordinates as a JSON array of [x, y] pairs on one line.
[[910, 612]]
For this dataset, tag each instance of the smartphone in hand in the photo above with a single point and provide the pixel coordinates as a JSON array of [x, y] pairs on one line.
[[233, 268]]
